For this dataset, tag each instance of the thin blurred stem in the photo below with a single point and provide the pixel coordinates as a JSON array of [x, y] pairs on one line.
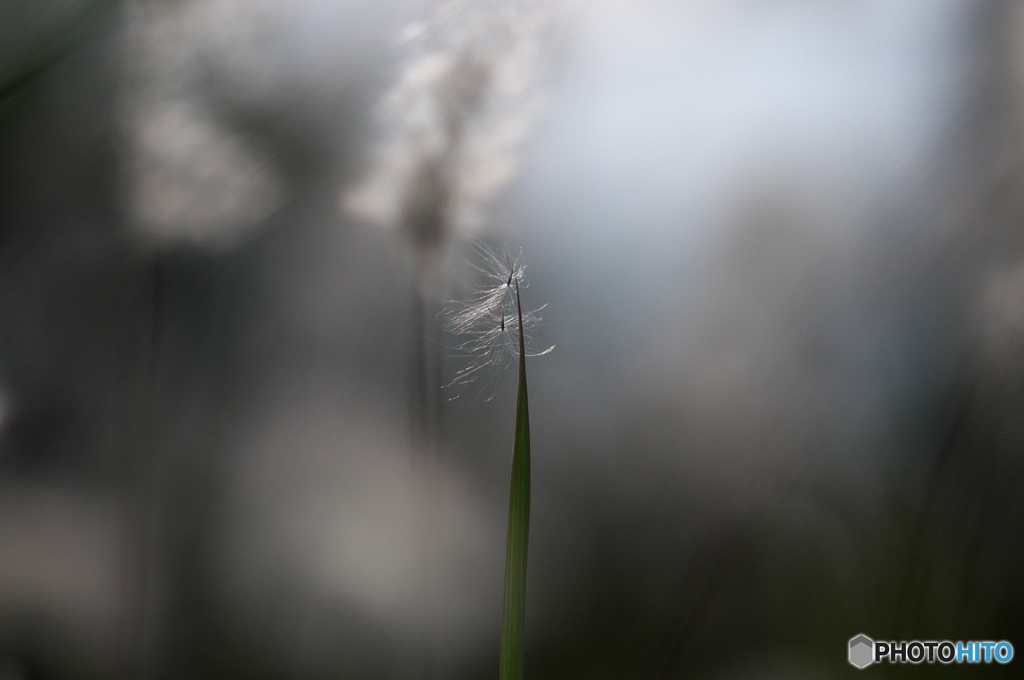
[[141, 474], [909, 595], [424, 419], [419, 398]]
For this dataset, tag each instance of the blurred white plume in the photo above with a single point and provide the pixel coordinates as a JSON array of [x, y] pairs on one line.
[[189, 173], [453, 125]]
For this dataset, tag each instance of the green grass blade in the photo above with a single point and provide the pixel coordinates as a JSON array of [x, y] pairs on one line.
[[514, 618]]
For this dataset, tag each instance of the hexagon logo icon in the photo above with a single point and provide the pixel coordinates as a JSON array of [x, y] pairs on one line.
[[862, 651]]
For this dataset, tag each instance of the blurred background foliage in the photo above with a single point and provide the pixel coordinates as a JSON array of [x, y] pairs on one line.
[[780, 244]]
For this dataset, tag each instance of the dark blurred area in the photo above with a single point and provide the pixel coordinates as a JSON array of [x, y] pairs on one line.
[[780, 245]]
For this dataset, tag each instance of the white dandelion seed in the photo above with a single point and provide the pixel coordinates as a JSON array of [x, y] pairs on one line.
[[491, 320]]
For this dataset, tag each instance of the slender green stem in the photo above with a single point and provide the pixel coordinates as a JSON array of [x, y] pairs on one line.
[[57, 44], [514, 618]]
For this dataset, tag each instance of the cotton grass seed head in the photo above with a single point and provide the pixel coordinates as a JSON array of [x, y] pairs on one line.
[[488, 324], [452, 129]]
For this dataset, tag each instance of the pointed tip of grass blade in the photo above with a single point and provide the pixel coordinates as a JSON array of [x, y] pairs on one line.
[[513, 655]]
